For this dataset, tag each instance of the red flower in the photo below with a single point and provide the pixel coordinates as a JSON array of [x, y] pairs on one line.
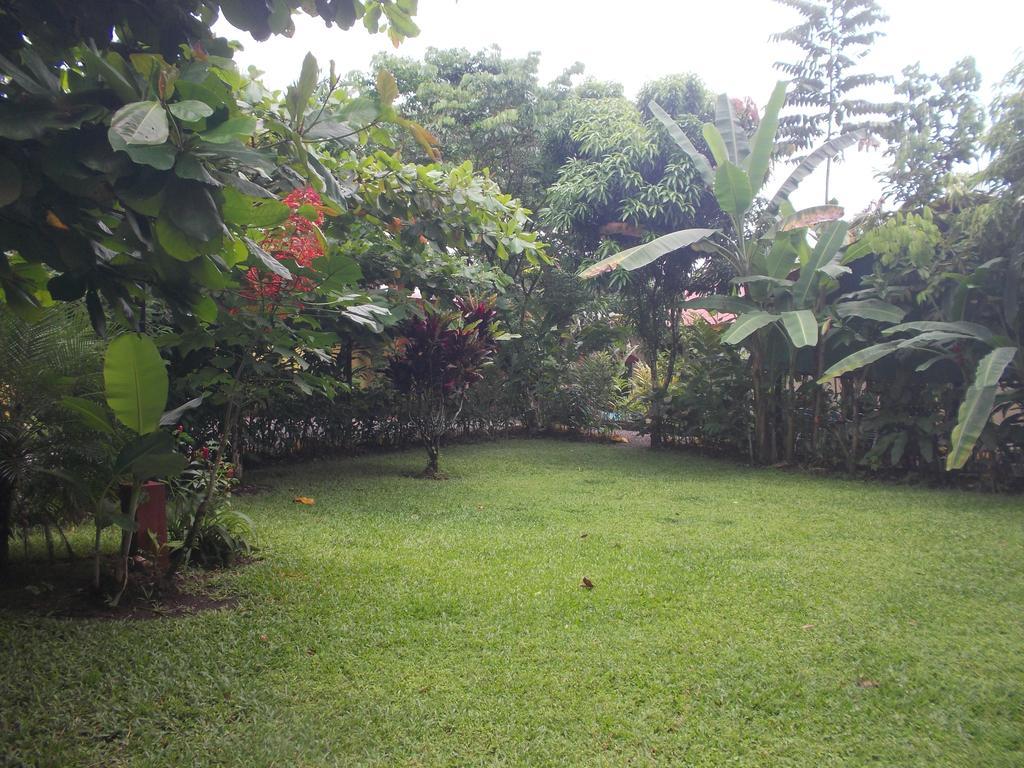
[[205, 453], [297, 240], [262, 285]]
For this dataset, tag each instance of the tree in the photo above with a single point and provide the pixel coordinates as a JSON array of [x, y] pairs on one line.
[[761, 258], [122, 126], [936, 126], [438, 356], [481, 106], [979, 330], [619, 184], [835, 36], [162, 27]]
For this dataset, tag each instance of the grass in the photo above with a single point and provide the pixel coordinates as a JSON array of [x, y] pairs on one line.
[[739, 617]]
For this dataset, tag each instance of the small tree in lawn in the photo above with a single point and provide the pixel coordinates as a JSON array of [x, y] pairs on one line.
[[438, 357]]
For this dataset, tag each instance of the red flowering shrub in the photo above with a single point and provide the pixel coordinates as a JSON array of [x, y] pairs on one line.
[[297, 241]]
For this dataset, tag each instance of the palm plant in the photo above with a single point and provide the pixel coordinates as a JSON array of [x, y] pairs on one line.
[[43, 361]]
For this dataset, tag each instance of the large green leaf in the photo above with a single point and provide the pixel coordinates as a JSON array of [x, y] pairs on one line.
[[336, 271], [192, 209], [859, 359], [149, 456], [158, 465], [735, 139], [732, 189], [764, 139], [870, 309], [113, 72], [236, 152], [189, 167], [141, 122], [89, 413], [642, 255], [744, 325], [810, 217], [231, 129], [769, 279], [977, 405], [735, 305], [858, 249], [930, 338], [960, 328], [135, 381], [829, 242], [802, 327], [190, 110], [783, 256], [683, 142], [267, 260], [249, 211], [174, 241], [159, 156], [715, 143], [811, 162]]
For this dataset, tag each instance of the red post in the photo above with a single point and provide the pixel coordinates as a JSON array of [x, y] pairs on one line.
[[151, 519]]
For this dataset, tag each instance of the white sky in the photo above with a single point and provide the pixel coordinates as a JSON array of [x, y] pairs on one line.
[[725, 42]]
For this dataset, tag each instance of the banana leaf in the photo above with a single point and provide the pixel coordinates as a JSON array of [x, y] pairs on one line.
[[977, 405]]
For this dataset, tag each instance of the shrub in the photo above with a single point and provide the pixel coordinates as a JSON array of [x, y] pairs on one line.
[[590, 396], [439, 355]]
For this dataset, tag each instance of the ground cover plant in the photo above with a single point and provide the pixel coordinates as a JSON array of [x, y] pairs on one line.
[[738, 616]]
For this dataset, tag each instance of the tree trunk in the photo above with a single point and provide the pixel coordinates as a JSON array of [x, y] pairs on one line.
[[6, 504], [433, 455], [855, 444], [96, 558], [819, 399], [790, 402], [760, 406], [180, 556]]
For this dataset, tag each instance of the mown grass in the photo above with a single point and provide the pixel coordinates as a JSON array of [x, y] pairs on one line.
[[739, 617]]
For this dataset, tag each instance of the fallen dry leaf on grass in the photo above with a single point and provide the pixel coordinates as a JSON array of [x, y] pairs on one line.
[[304, 500], [586, 583]]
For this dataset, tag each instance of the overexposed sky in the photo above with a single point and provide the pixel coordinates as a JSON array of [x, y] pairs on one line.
[[725, 42]]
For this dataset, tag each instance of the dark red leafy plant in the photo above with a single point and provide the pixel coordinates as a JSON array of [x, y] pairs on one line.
[[439, 355]]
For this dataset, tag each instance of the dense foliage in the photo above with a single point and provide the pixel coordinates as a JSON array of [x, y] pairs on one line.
[[198, 273]]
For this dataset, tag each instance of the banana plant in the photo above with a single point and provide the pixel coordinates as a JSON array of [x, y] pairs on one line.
[[737, 177], [762, 265], [946, 340], [990, 358], [135, 390]]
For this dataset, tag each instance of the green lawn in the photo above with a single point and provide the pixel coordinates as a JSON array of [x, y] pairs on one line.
[[739, 617]]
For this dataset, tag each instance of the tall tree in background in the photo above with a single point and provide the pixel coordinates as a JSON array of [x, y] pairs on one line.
[[834, 36], [937, 125], [623, 182], [481, 106]]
